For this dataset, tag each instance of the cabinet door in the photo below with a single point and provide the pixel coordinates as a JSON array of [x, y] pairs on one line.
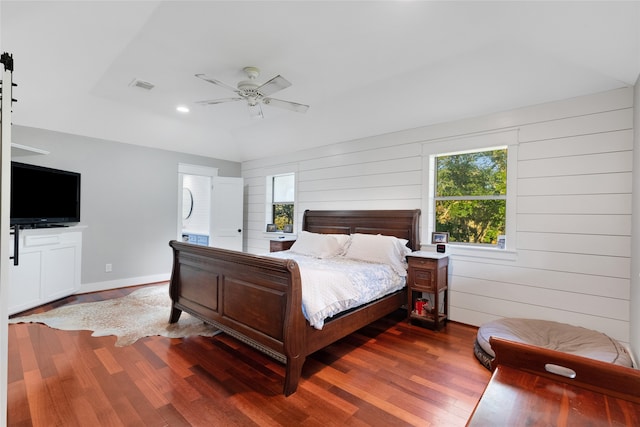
[[60, 267], [24, 282], [423, 279]]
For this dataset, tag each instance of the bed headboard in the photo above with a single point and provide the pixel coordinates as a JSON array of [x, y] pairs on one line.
[[404, 224]]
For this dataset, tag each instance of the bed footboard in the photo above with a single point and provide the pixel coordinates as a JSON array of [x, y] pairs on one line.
[[253, 298]]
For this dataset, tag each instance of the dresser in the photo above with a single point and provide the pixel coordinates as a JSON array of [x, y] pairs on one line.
[[49, 267]]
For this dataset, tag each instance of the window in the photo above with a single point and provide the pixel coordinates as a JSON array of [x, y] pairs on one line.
[[282, 200], [470, 195]]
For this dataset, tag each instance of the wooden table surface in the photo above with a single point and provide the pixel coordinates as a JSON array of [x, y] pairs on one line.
[[517, 398], [524, 390]]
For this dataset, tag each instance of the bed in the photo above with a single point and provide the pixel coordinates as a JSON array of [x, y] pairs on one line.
[[258, 298]]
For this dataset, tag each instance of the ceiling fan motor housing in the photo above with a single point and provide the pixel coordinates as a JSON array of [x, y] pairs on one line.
[[249, 88]]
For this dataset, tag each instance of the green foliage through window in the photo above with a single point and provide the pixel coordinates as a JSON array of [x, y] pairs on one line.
[[282, 214], [470, 196]]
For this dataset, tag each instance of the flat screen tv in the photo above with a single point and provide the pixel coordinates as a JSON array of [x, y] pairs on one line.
[[43, 197]]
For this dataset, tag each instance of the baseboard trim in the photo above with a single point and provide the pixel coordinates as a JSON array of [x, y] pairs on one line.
[[122, 283]]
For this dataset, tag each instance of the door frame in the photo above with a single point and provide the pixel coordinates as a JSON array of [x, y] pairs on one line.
[[5, 237], [189, 169]]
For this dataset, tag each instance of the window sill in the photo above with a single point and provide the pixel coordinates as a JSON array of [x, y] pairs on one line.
[[462, 251]]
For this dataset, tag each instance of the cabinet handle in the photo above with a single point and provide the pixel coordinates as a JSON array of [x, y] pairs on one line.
[[16, 244]]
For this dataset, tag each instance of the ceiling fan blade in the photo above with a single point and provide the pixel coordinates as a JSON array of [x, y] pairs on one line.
[[272, 86], [218, 101], [255, 111], [293, 106], [216, 82]]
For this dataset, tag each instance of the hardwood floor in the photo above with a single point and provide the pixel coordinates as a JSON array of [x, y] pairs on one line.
[[388, 373]]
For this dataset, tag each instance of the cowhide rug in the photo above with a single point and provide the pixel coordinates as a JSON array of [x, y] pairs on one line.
[[142, 313]]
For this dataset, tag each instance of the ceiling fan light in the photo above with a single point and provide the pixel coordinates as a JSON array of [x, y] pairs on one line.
[[255, 111]]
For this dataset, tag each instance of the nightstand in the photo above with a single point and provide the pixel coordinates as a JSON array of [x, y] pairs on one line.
[[277, 245], [427, 283]]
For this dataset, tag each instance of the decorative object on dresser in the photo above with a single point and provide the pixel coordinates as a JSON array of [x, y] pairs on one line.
[[427, 288], [140, 314], [258, 299]]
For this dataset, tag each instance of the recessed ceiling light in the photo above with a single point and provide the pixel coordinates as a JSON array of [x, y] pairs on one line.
[[182, 108]]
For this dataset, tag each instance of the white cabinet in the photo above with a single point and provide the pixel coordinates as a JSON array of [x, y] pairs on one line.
[[48, 268]]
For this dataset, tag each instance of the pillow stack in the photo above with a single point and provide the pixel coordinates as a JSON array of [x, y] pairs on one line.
[[375, 248]]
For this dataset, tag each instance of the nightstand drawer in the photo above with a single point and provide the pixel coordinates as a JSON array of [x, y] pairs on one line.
[[423, 262]]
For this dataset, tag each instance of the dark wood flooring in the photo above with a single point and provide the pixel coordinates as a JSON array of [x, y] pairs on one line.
[[390, 373]]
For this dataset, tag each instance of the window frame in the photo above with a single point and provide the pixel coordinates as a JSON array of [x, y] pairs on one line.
[[462, 144], [269, 205], [437, 198]]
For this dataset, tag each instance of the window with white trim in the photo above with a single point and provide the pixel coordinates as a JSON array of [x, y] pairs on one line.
[[470, 196], [282, 205]]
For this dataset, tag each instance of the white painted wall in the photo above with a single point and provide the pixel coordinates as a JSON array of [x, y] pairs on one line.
[[572, 259], [129, 202]]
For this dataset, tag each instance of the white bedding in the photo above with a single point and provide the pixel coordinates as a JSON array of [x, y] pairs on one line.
[[330, 286]]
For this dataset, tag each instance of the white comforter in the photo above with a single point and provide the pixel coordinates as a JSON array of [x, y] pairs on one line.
[[330, 286]]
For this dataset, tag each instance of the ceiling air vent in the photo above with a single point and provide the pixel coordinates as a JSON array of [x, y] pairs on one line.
[[142, 84]]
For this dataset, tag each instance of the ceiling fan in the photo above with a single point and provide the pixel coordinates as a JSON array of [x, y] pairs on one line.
[[255, 93]]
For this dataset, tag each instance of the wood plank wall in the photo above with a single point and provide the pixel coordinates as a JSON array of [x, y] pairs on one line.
[[573, 223]]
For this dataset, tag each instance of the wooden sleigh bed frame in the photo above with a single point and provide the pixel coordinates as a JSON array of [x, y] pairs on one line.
[[258, 299]]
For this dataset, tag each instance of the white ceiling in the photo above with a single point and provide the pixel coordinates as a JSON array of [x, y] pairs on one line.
[[364, 67]]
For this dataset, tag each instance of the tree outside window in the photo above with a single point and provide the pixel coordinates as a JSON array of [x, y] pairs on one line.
[[471, 196]]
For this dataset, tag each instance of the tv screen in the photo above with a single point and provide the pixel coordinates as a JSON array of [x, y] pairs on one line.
[[42, 196]]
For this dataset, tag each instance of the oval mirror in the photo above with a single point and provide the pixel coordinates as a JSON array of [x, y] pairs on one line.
[[187, 203]]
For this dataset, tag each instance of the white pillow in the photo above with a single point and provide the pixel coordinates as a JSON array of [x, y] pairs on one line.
[[380, 249], [343, 241], [319, 245]]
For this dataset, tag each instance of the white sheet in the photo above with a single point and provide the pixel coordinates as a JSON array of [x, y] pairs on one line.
[[330, 286]]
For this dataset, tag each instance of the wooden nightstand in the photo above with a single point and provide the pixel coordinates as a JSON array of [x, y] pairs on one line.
[[427, 278], [277, 245]]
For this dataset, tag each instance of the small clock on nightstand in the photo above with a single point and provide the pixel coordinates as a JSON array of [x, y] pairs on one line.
[[427, 288]]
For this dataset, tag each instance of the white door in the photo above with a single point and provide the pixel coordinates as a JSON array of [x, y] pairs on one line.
[[227, 199]]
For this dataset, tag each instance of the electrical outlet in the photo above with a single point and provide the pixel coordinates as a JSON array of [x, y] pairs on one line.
[[108, 268]]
